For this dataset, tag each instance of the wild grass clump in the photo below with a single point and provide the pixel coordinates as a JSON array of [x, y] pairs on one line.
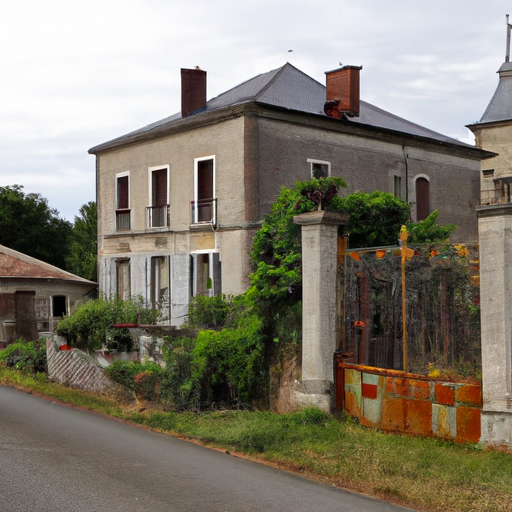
[[27, 356]]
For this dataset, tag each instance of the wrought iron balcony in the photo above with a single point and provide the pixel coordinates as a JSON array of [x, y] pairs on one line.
[[497, 191], [204, 211], [123, 220]]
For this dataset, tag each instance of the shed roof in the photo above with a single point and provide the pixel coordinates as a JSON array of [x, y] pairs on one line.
[[289, 88], [14, 264]]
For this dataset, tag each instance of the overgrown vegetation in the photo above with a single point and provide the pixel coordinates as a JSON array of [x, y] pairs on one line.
[[25, 356], [416, 472], [91, 325], [217, 368]]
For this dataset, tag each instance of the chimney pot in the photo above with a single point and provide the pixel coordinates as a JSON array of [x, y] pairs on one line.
[[193, 91], [342, 92]]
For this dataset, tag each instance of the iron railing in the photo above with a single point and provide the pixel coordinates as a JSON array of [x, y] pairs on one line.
[[157, 216], [123, 220], [204, 211]]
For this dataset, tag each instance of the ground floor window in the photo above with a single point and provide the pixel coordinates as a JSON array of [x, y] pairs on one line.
[[206, 279], [59, 306], [123, 278], [159, 281]]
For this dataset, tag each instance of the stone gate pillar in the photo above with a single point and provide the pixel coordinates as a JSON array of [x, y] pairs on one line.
[[495, 238], [319, 265]]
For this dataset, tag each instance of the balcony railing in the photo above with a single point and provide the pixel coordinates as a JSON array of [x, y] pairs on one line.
[[157, 216], [499, 191], [123, 220], [204, 211]]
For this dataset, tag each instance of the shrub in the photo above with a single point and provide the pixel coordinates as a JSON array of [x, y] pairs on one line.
[[208, 312], [142, 378], [26, 356], [229, 365], [90, 326]]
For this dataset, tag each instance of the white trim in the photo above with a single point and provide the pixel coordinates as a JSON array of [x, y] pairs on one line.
[[205, 251], [196, 160], [312, 161], [150, 181], [122, 175], [421, 176]]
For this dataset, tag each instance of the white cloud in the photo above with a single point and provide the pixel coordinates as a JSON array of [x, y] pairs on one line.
[[75, 74]]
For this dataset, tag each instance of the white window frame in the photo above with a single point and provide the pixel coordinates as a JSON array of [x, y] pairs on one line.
[[196, 192], [122, 175], [150, 181], [151, 170], [312, 161], [211, 292]]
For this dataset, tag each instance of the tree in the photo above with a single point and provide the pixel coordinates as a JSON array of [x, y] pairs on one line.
[[83, 248], [374, 219], [29, 225]]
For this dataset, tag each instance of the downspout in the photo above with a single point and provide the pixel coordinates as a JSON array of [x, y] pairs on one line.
[[406, 173]]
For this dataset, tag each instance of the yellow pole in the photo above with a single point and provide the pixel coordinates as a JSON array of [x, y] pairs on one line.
[[403, 239]]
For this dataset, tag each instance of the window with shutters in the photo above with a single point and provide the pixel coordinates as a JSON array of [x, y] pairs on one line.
[[123, 202], [159, 281], [123, 278], [158, 209], [422, 186], [204, 205]]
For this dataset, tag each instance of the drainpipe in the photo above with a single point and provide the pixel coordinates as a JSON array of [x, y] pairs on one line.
[[406, 173]]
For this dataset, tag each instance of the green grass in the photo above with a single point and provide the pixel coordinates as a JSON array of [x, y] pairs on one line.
[[421, 473]]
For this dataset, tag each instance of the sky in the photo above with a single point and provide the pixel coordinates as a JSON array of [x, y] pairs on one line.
[[77, 74]]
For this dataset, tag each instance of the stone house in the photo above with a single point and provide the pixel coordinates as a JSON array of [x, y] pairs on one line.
[[35, 295], [179, 200]]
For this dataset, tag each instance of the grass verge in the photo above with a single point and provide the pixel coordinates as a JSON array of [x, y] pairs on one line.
[[426, 474]]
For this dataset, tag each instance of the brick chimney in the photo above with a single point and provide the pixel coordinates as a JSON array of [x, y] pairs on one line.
[[342, 95], [193, 91]]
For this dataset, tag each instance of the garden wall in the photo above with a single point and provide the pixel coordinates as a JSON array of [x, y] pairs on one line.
[[414, 404]]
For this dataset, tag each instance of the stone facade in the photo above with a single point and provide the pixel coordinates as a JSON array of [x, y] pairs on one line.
[[222, 166]]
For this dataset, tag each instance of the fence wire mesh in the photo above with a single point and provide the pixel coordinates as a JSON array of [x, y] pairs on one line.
[[442, 309]]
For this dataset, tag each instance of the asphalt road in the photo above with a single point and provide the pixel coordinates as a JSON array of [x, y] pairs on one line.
[[59, 459]]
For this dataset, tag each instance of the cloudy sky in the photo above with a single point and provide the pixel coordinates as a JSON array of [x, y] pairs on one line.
[[76, 74]]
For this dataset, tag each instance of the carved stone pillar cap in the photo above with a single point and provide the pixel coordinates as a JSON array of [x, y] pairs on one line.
[[321, 217]]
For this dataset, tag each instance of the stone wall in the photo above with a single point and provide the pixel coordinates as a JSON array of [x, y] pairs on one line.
[[413, 404]]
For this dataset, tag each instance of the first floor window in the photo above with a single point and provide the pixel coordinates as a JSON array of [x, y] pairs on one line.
[[203, 206], [319, 168], [159, 198], [123, 202], [206, 277], [397, 187]]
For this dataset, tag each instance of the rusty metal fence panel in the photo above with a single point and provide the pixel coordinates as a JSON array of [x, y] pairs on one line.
[[442, 309]]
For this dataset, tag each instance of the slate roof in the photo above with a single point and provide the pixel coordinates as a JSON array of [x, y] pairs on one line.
[[289, 88], [500, 106], [14, 264]]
